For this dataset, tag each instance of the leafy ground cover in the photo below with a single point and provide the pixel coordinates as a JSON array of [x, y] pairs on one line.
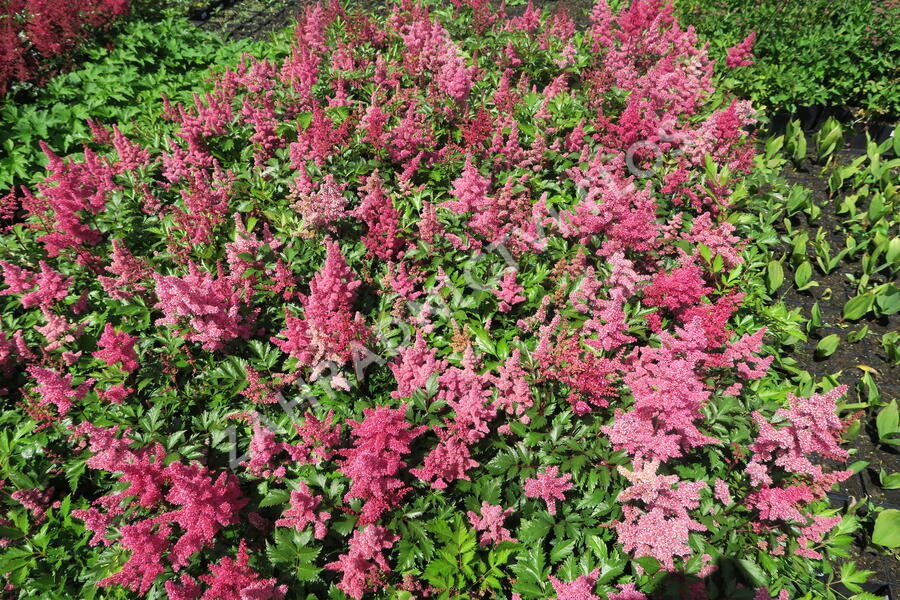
[[819, 52], [442, 304], [826, 237], [121, 85], [37, 37]]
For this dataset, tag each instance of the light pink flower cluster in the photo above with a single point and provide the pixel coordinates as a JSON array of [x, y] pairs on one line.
[[549, 487], [660, 528], [812, 429], [580, 588], [203, 307], [490, 524]]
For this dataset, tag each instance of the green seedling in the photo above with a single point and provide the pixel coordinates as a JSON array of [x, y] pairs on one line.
[[888, 424]]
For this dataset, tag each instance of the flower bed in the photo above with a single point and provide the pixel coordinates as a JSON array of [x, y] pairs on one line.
[[444, 304], [36, 36]]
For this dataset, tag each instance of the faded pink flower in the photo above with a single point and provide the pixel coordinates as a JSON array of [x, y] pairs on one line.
[[364, 561], [490, 524], [580, 588], [549, 487]]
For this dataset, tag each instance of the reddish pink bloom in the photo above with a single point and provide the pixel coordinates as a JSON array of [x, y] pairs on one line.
[[117, 347], [303, 512], [206, 507], [235, 580], [681, 288], [382, 438], [145, 563], [742, 54], [55, 388], [328, 330], [510, 291], [116, 394], [35, 500], [208, 307]]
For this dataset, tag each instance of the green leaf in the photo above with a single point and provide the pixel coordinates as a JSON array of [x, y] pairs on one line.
[[889, 481], [887, 423], [802, 275], [754, 571], [561, 550], [887, 528], [858, 306], [827, 345], [774, 275], [275, 498]]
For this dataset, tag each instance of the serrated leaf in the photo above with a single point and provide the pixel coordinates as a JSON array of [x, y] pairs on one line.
[[561, 550]]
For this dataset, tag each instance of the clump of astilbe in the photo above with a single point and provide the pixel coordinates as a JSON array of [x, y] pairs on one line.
[[117, 347], [41, 289], [319, 205], [230, 579], [318, 441], [375, 460], [203, 307], [205, 202], [783, 477], [580, 588], [365, 562], [519, 140], [549, 487], [378, 213], [669, 389], [490, 524], [130, 272], [430, 50], [661, 526], [57, 389], [328, 331], [414, 366], [591, 377], [741, 55], [80, 187], [303, 512], [509, 291], [195, 507]]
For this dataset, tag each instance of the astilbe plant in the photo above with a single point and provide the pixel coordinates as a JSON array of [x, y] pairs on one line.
[[464, 283]]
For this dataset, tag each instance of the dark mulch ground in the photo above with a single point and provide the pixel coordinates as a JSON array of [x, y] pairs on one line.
[[831, 294]]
